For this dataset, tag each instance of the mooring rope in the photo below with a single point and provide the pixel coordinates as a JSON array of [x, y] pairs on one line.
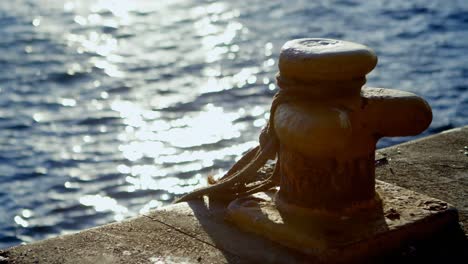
[[242, 179]]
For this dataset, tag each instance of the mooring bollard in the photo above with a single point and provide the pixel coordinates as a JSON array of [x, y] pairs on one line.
[[328, 135], [325, 129]]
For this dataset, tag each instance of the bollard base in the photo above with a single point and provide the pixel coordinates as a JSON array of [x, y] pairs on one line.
[[403, 217]]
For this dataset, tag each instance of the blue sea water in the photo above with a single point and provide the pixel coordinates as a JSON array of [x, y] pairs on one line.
[[112, 108]]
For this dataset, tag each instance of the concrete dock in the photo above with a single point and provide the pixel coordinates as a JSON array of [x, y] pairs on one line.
[[196, 232]]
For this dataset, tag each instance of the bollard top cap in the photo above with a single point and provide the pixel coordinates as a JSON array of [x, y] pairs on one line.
[[312, 59]]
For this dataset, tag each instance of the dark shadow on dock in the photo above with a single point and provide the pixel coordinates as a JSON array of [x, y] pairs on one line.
[[248, 248]]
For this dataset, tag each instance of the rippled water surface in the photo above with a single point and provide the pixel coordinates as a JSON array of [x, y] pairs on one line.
[[111, 108]]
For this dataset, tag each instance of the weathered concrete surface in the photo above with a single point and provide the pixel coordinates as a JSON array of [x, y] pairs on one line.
[[192, 232], [196, 232], [138, 240], [436, 166], [371, 229]]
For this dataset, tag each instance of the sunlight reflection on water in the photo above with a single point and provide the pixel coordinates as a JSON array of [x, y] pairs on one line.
[[146, 134], [103, 203]]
